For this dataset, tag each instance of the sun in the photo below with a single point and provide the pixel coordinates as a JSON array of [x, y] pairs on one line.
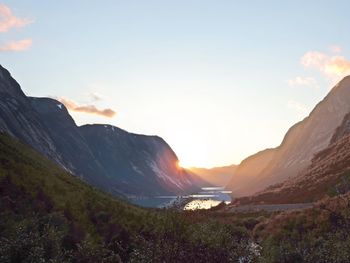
[[180, 165]]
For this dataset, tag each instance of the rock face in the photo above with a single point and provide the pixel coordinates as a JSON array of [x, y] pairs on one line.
[[136, 157], [327, 173], [107, 157], [19, 119], [301, 142]]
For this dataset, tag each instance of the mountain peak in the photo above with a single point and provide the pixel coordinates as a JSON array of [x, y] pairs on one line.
[[107, 157], [9, 86], [298, 147]]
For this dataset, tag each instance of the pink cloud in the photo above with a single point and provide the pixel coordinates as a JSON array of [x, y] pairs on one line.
[[14, 46], [89, 109], [331, 66], [8, 20]]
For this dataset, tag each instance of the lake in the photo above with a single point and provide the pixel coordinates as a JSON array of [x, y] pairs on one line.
[[206, 198]]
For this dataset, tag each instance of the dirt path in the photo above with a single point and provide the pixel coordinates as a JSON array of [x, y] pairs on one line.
[[270, 208]]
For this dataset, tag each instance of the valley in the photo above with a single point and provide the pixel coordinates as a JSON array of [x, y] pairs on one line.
[[97, 193], [174, 131], [206, 198]]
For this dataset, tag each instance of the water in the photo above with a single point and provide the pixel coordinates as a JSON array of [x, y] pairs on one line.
[[207, 198]]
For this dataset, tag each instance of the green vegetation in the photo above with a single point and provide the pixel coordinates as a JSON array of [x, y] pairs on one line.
[[47, 215], [341, 186], [321, 234]]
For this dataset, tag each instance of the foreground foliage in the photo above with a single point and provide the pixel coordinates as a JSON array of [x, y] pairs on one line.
[[320, 234], [47, 215]]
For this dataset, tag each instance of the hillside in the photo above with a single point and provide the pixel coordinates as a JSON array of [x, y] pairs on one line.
[[298, 147], [328, 174], [121, 163], [320, 234], [217, 176], [49, 215]]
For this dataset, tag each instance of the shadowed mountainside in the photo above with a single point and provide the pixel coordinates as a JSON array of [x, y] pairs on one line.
[[107, 157], [48, 215]]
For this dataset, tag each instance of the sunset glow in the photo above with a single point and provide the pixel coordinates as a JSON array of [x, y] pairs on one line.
[[210, 85]]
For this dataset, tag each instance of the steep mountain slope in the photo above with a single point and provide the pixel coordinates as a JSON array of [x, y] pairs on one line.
[[120, 163], [217, 176], [328, 174], [19, 119], [301, 142], [69, 142], [48, 215], [136, 157]]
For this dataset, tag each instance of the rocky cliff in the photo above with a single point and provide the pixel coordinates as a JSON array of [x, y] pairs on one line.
[[107, 157], [300, 144]]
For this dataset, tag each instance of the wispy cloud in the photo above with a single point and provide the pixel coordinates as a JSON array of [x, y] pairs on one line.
[[13, 46], [89, 109], [332, 67], [8, 20], [303, 81], [301, 110]]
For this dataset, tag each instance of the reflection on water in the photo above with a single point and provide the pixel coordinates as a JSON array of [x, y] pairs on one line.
[[202, 204], [207, 198]]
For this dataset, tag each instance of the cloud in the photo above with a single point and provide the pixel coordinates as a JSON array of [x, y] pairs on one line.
[[331, 66], [14, 46], [8, 20], [300, 109], [89, 109], [303, 81]]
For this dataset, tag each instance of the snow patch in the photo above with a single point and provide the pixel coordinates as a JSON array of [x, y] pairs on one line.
[[136, 169], [162, 175]]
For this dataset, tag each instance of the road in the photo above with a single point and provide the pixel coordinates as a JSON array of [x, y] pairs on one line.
[[270, 208]]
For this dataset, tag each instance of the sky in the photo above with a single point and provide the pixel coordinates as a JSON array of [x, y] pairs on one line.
[[218, 80]]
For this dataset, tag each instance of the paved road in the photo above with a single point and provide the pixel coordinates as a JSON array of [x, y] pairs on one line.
[[270, 208]]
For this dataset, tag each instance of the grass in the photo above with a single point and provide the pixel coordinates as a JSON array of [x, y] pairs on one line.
[[36, 194]]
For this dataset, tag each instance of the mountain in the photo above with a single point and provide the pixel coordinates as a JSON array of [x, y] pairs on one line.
[[48, 215], [18, 118], [107, 157], [217, 176], [327, 175], [144, 163], [298, 147]]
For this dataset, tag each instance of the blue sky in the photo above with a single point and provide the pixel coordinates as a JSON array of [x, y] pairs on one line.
[[218, 80]]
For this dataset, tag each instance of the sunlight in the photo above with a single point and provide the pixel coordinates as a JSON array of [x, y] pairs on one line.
[[182, 165]]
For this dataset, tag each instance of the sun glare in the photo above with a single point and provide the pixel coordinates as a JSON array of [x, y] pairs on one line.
[[181, 165]]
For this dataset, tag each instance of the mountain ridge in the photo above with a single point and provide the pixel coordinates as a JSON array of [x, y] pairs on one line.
[[217, 176], [298, 146], [46, 125], [327, 175]]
